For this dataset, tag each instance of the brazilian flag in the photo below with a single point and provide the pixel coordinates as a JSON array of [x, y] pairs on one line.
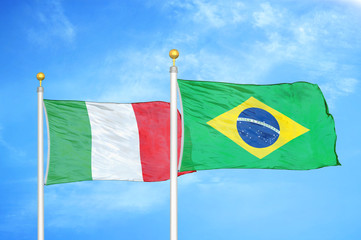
[[280, 126]]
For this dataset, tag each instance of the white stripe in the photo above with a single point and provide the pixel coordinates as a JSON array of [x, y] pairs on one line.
[[115, 142], [259, 123]]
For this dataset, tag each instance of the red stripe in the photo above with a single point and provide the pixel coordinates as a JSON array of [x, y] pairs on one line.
[[153, 120]]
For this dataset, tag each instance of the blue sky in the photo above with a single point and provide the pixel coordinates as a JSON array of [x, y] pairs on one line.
[[118, 51]]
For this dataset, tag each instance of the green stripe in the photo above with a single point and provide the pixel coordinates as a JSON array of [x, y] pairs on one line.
[[70, 142]]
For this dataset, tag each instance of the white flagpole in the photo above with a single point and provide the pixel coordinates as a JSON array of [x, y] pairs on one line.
[[40, 76], [173, 148]]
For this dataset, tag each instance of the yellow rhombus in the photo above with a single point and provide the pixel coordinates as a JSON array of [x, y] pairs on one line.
[[226, 123]]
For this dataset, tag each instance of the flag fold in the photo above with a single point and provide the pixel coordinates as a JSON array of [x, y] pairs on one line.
[[280, 126], [108, 141]]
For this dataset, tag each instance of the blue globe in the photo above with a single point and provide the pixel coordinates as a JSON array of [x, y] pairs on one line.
[[257, 127]]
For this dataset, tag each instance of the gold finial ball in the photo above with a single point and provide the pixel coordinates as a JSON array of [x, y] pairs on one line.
[[173, 53], [40, 76]]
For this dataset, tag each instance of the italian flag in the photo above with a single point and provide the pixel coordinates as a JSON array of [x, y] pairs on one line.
[[108, 141]]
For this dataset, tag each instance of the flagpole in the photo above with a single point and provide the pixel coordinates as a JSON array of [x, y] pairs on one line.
[[40, 76], [173, 148]]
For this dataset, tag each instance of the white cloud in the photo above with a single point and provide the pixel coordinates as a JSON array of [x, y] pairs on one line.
[[135, 76], [284, 38], [218, 15], [189, 180], [77, 205], [52, 24], [215, 14], [306, 41], [268, 16], [337, 88], [209, 66], [304, 34], [12, 222], [245, 197], [311, 42], [15, 152], [347, 85], [353, 2]]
